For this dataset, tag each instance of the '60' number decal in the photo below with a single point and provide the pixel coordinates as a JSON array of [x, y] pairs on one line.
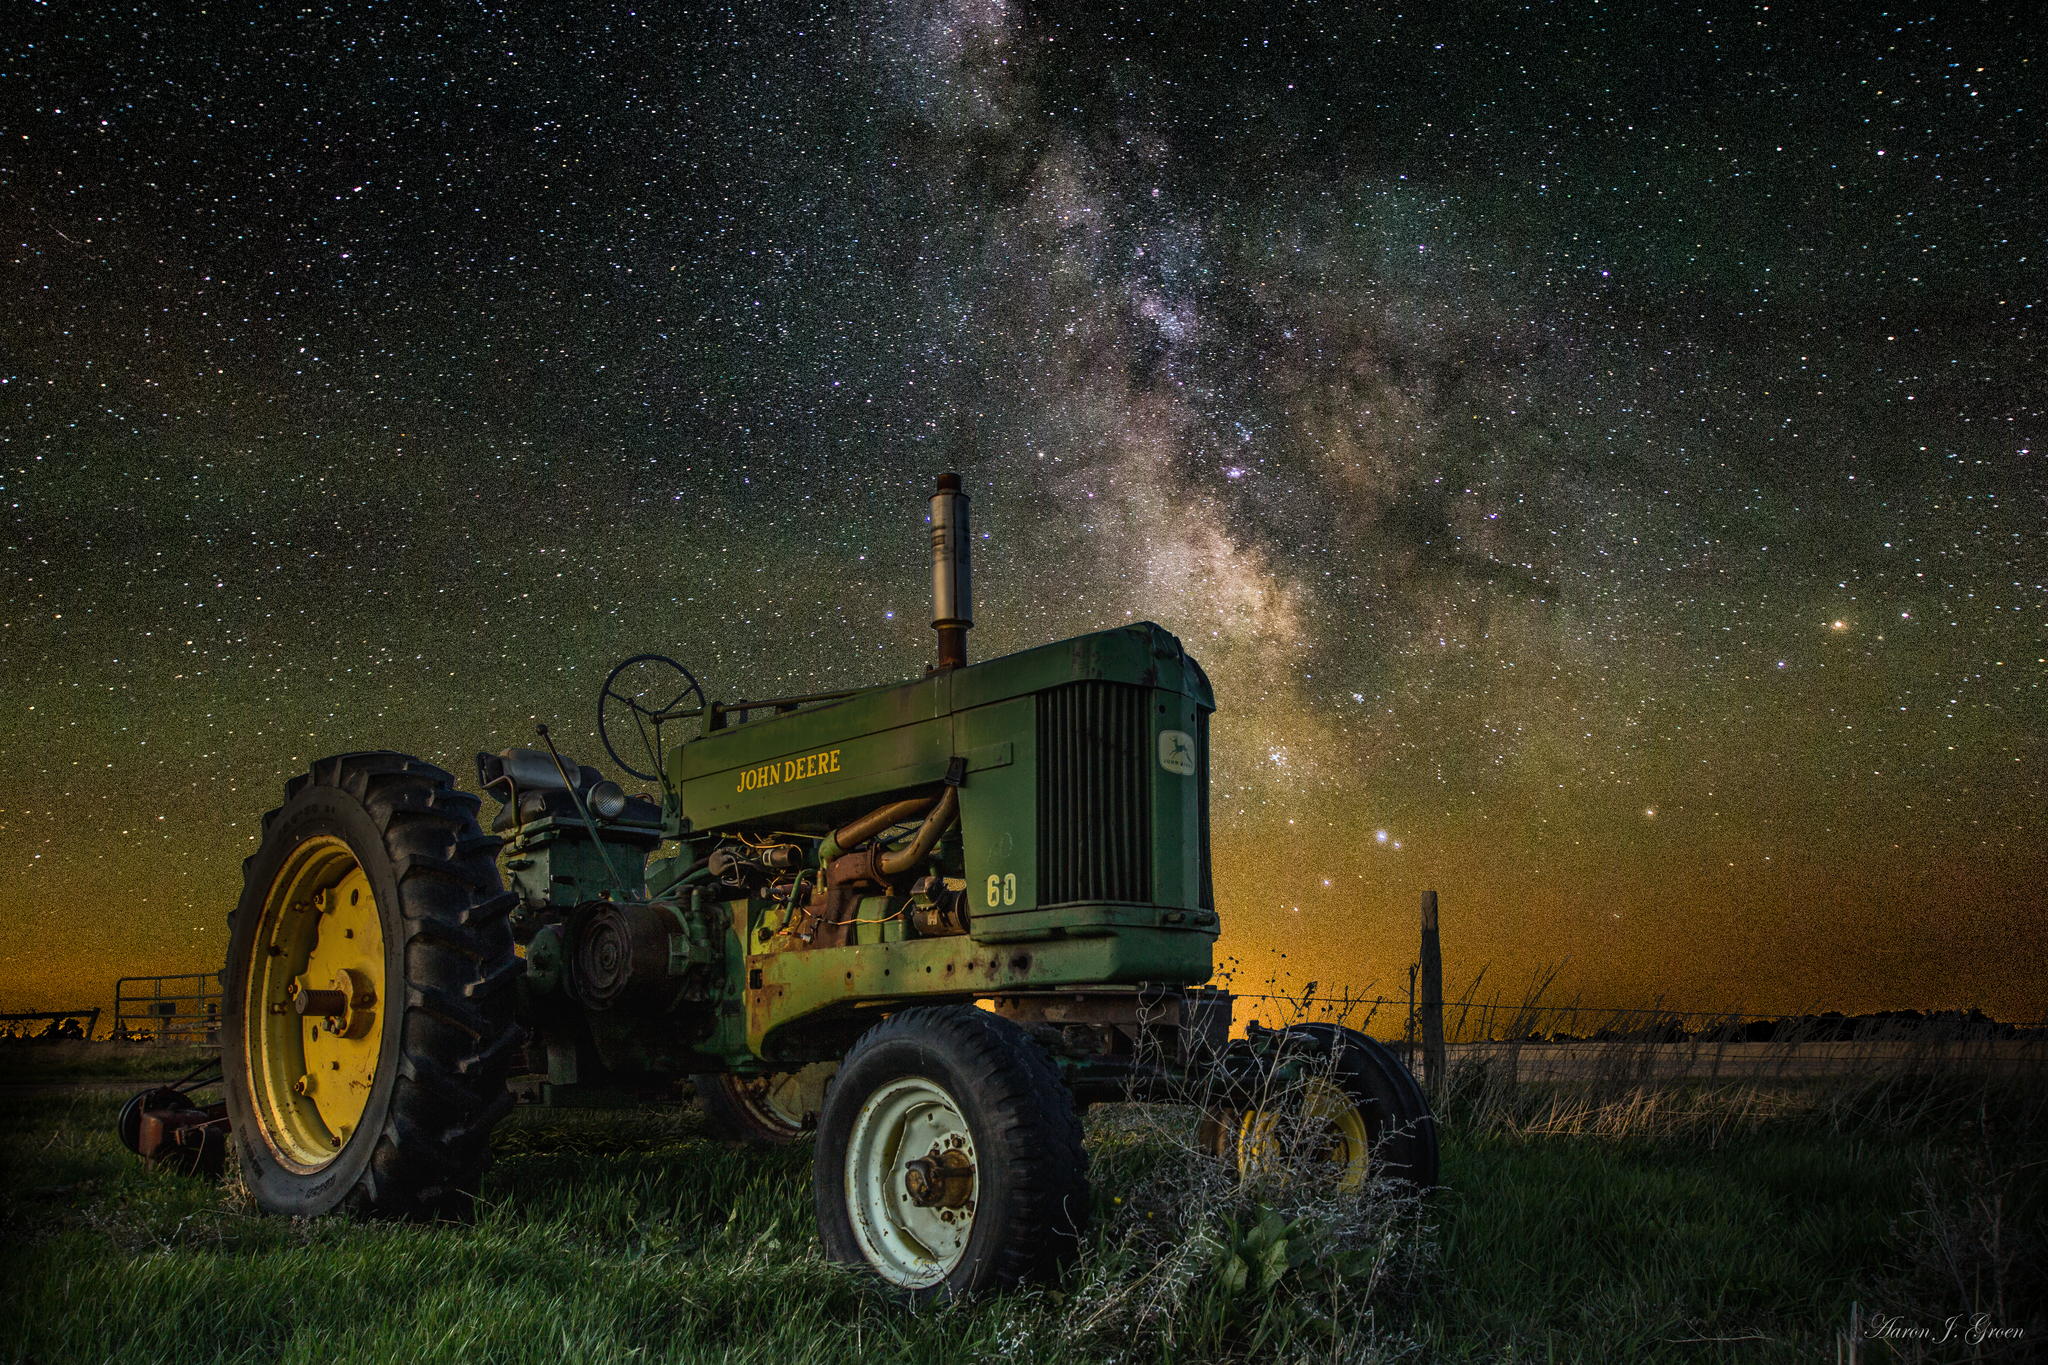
[[1002, 890]]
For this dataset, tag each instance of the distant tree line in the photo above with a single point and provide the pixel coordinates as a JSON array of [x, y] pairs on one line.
[[1830, 1026]]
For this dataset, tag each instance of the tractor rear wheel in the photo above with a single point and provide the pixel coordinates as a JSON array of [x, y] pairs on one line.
[[367, 1008], [1327, 1100], [772, 1110], [949, 1155]]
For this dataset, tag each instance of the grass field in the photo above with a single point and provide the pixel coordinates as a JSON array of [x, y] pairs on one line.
[[1659, 1224]]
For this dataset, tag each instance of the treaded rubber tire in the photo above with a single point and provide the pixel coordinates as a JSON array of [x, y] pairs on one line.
[[1398, 1119], [1398, 1122], [448, 1041], [1033, 1203]]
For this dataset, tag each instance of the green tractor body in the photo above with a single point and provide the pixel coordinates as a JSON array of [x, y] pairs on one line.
[[1077, 856], [929, 920]]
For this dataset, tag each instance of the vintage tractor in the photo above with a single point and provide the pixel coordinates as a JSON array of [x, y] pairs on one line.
[[928, 920]]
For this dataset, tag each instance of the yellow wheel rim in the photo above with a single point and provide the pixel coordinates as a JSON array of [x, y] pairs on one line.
[[1332, 1124], [313, 1017]]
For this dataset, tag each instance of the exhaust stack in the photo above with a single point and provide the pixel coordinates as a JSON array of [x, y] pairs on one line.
[[952, 591]]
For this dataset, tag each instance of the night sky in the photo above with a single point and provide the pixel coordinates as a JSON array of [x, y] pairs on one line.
[[1597, 455]]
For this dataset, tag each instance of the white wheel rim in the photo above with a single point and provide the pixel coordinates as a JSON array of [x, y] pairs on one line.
[[911, 1244]]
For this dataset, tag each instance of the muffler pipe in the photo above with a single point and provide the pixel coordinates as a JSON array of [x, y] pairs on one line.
[[912, 855], [952, 590], [875, 821], [878, 866]]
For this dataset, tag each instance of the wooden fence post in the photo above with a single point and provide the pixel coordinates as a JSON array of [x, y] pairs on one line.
[[1408, 1036], [1432, 1007]]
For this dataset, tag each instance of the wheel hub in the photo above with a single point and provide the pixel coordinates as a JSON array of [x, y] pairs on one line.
[[346, 1007], [941, 1179]]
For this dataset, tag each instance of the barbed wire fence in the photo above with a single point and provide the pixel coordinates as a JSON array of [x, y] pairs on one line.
[[1535, 1040]]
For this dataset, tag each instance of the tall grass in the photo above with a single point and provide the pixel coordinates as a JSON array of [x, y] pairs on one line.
[[35, 1061], [1194, 1259], [1913, 1154], [1607, 1216]]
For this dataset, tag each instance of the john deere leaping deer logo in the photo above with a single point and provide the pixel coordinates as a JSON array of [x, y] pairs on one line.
[[1177, 752]]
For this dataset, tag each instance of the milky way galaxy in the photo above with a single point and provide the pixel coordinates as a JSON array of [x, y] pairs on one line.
[[1595, 457]]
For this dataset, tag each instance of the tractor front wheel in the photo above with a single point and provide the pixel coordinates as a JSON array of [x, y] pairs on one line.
[[949, 1155], [772, 1110], [367, 1008]]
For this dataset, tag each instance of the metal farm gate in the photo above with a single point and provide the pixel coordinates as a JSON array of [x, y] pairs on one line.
[[169, 1009]]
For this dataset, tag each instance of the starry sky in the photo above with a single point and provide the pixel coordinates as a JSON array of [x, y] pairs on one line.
[[1596, 450]]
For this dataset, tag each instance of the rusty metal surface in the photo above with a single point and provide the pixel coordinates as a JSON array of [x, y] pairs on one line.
[[167, 1129], [1181, 1025]]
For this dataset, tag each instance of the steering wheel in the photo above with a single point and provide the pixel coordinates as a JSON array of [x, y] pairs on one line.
[[653, 676]]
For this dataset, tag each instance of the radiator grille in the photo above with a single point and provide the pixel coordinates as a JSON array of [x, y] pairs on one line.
[[1094, 797]]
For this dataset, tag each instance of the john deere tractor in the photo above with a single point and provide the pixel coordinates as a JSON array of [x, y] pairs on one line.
[[926, 921]]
